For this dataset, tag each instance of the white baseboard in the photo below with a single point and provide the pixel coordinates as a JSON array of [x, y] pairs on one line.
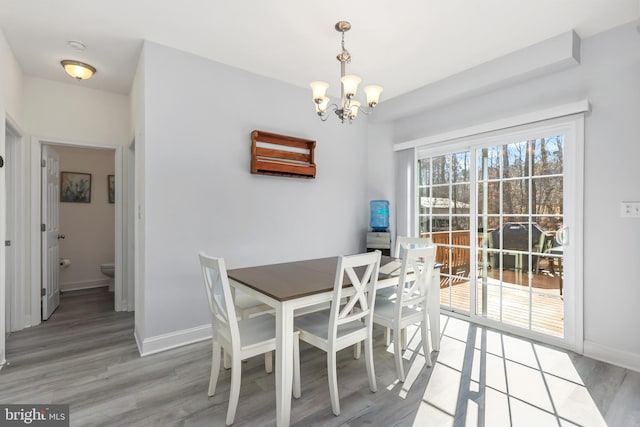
[[174, 339], [85, 284], [614, 356], [138, 341]]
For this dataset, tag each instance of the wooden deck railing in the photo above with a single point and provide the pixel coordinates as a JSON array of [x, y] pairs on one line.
[[458, 263]]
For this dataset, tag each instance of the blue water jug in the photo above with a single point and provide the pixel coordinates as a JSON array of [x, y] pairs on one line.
[[379, 215]]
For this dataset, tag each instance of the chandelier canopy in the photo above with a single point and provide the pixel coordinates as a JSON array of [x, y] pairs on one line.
[[349, 107]]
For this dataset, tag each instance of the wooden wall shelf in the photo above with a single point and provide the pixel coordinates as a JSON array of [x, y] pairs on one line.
[[273, 154]]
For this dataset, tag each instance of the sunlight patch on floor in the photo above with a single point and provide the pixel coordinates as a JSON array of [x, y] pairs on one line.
[[485, 378]]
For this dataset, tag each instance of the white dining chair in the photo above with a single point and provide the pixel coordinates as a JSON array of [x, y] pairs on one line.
[[409, 305], [241, 339], [246, 307], [344, 325], [403, 243]]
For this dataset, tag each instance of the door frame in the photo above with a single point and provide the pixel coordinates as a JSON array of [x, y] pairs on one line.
[[574, 214], [14, 293], [35, 220]]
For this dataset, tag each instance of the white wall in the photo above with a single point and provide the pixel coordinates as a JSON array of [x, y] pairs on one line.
[[380, 176], [11, 81], [609, 77], [10, 109], [88, 227], [67, 112], [200, 195]]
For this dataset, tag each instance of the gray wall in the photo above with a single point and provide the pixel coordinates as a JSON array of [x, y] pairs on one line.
[[609, 77], [200, 196]]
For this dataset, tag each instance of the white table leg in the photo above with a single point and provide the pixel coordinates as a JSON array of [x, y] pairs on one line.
[[434, 309], [284, 363]]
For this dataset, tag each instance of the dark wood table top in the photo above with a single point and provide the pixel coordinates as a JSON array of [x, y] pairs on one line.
[[296, 279]]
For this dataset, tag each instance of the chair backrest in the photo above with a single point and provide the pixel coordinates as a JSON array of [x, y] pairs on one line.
[[415, 275], [362, 271], [403, 243], [223, 312]]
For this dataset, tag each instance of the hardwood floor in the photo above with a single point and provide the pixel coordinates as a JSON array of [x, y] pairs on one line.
[[86, 356]]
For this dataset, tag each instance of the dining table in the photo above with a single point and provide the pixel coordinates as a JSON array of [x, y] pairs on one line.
[[298, 285]]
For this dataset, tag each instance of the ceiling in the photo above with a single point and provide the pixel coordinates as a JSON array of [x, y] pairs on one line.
[[401, 45]]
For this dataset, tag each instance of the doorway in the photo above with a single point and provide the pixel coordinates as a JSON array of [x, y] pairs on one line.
[[500, 208], [100, 185]]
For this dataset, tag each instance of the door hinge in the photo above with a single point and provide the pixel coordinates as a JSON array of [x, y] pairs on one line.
[[43, 163], [43, 227], [43, 292], [7, 242]]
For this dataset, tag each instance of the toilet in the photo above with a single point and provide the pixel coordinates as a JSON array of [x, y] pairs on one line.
[[108, 269]]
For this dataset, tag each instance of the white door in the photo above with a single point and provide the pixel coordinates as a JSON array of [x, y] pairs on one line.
[[51, 233], [499, 208]]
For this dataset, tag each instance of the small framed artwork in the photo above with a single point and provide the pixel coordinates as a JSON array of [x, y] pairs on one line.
[[75, 187], [111, 188]]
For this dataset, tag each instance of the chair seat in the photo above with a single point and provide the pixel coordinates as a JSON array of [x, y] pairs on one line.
[[247, 305], [257, 330], [317, 324], [387, 293], [385, 313]]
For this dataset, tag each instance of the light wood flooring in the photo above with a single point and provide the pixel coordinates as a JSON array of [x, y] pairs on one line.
[[86, 356], [511, 302]]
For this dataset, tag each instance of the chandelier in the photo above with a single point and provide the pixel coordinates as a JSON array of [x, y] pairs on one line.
[[349, 107]]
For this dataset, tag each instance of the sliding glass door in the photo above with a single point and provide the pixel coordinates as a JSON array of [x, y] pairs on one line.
[[445, 216], [496, 207], [520, 213]]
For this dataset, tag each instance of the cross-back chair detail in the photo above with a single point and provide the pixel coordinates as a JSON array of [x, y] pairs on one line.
[[410, 303]]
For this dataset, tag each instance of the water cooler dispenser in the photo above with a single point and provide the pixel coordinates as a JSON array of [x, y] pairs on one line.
[[379, 237]]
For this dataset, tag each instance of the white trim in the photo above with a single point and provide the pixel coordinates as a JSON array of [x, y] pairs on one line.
[[611, 355], [511, 329], [173, 340], [532, 117], [83, 284], [577, 182], [15, 147]]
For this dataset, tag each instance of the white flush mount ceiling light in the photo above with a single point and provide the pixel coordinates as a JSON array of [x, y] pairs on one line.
[[78, 70], [349, 107]]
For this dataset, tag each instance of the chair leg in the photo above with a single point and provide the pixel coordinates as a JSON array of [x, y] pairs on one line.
[[397, 353], [234, 394], [215, 368], [226, 360], [356, 351], [371, 372], [268, 362], [425, 341], [296, 366], [387, 337], [333, 382], [403, 339]]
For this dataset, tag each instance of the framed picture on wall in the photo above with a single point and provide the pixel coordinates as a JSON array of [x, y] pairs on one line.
[[111, 188], [75, 187]]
